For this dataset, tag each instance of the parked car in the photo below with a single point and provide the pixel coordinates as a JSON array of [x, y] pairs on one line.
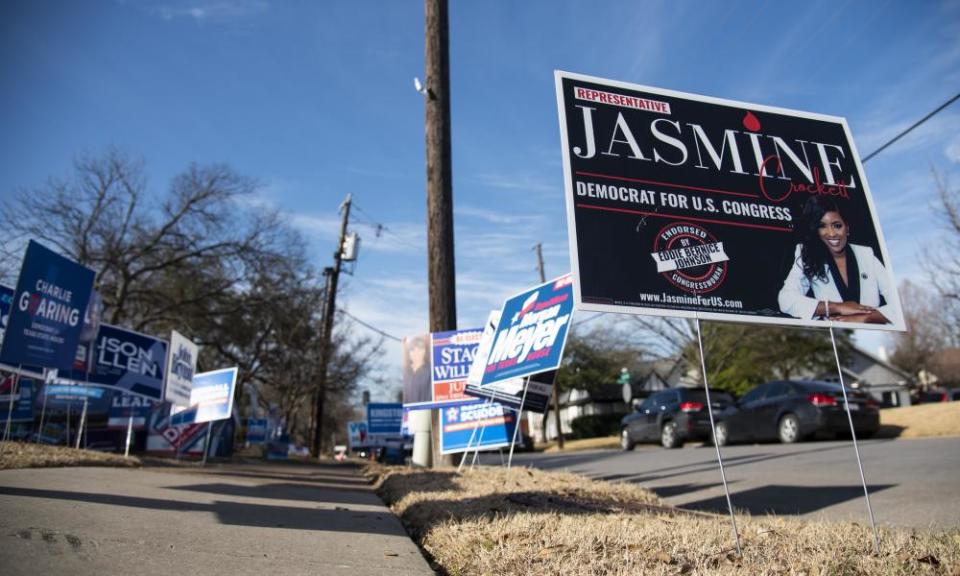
[[791, 411], [671, 417], [938, 396]]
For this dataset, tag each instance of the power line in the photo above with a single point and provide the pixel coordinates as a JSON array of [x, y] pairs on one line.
[[380, 228], [908, 130], [368, 326]]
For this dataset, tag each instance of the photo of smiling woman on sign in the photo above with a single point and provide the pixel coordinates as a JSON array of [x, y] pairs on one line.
[[831, 278]]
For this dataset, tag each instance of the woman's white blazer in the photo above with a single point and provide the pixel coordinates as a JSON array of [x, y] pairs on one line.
[[874, 282]]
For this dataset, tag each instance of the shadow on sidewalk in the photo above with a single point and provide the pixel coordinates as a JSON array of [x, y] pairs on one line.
[[237, 513]]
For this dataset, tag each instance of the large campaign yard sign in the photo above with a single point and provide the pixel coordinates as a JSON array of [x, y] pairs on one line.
[[23, 399], [181, 364], [356, 434], [435, 368], [127, 361], [481, 425], [211, 398], [129, 409], [453, 354], [6, 306], [384, 418], [686, 205], [47, 312], [525, 339]]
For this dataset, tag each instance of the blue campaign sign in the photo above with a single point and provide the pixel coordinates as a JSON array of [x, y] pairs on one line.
[[22, 403], [65, 392], [490, 425], [453, 354], [126, 360], [48, 310], [256, 431], [531, 333], [356, 434], [211, 398], [6, 304], [123, 406], [384, 418]]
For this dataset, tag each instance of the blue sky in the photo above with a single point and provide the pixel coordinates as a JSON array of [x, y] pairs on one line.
[[316, 99]]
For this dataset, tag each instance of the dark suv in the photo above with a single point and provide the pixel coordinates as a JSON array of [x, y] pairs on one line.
[[671, 417]]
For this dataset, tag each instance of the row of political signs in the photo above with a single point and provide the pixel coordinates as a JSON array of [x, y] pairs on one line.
[[482, 378], [51, 334]]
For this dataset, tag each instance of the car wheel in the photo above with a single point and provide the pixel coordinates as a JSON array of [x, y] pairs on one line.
[[669, 437], [625, 442], [721, 434], [789, 429]]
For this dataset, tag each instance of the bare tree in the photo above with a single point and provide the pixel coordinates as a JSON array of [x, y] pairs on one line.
[[200, 259], [103, 217], [942, 262]]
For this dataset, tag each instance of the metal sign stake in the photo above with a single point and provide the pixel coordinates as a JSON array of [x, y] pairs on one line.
[[126, 450], [713, 429], [853, 434], [476, 449], [526, 384], [43, 411], [466, 452], [206, 442], [83, 420], [13, 389]]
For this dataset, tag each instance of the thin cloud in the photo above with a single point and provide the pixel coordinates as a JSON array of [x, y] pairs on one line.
[[210, 10], [495, 217], [524, 182]]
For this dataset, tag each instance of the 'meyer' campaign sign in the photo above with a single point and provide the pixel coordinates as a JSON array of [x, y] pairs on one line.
[[532, 394], [47, 312], [531, 332], [687, 205]]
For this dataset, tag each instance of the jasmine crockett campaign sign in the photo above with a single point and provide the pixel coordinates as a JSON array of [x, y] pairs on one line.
[[47, 312], [686, 205]]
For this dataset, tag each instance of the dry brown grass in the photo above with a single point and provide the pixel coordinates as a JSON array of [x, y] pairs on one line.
[[523, 521], [923, 420], [23, 455]]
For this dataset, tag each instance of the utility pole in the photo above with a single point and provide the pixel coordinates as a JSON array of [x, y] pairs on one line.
[[327, 328], [555, 400], [441, 277]]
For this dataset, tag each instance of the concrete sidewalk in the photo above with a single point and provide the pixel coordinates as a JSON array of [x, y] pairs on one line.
[[256, 518]]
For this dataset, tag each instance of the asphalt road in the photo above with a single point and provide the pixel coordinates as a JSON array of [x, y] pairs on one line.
[[234, 519], [911, 482]]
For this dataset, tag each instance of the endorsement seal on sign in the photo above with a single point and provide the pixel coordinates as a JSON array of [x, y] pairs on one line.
[[690, 257]]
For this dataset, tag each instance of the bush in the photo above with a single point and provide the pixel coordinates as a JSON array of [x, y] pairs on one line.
[[596, 425]]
